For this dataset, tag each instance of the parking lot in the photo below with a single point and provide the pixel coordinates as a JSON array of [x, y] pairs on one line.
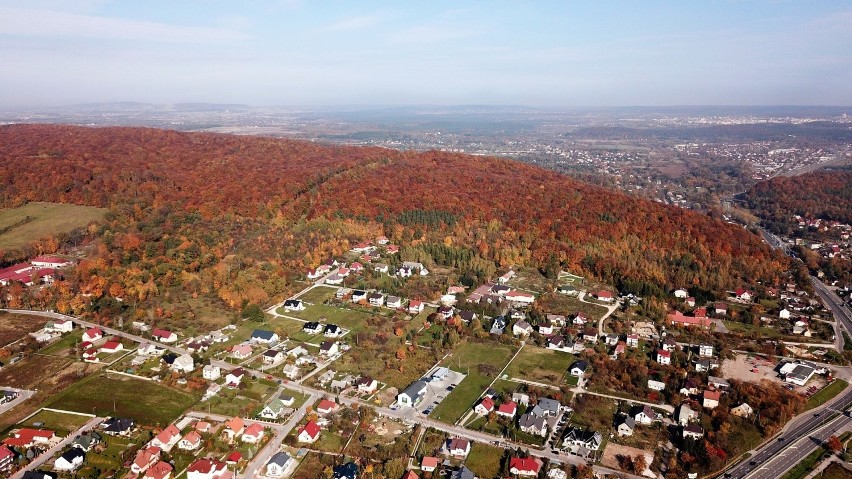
[[438, 389], [754, 368]]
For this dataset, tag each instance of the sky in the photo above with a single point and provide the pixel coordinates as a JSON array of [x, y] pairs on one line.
[[325, 53]]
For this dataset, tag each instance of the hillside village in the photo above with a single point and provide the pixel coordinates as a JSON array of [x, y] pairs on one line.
[[519, 376]]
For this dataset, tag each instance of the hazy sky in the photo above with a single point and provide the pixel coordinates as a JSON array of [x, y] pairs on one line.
[[310, 52]]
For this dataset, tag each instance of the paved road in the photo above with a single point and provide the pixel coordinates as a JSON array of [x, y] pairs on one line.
[[835, 304], [796, 429], [776, 466], [41, 459]]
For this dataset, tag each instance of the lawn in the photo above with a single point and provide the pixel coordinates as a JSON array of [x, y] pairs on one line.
[[318, 295], [62, 423], [826, 393], [484, 460], [568, 305], [19, 226], [346, 318], [481, 362], [540, 365], [66, 345], [145, 401], [110, 459]]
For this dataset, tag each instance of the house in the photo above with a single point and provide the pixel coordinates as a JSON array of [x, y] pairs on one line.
[[677, 318], [784, 314], [706, 364], [446, 312], [327, 407], [263, 336], [580, 319], [329, 348], [202, 426], [149, 349], [332, 331], [664, 357], [590, 335], [525, 466], [567, 289], [556, 473], [211, 372], [164, 336], [167, 438], [118, 426], [86, 441], [273, 409], [376, 299], [556, 342], [521, 328], [685, 414], [462, 473], [415, 306], [310, 432], [693, 431], [278, 464], [145, 458], [457, 447], [690, 301], [579, 368], [111, 347], [721, 308], [206, 468], [312, 327], [70, 460], [234, 427], [297, 351], [579, 438], [743, 294], [485, 406], [93, 334], [294, 305], [605, 296], [498, 326], [183, 363], [611, 339], [705, 350], [644, 415], [272, 356], [619, 350], [241, 351], [91, 355], [235, 377], [366, 385], [546, 407], [160, 470], [520, 297], [412, 394], [190, 442], [467, 316], [253, 434], [25, 438], [690, 387], [743, 410], [429, 463], [681, 293], [633, 340], [410, 475], [507, 409], [656, 385], [718, 383], [626, 427], [669, 344], [345, 471], [545, 328], [393, 302], [711, 398], [38, 475], [60, 326], [506, 277], [54, 262], [358, 295], [532, 424]]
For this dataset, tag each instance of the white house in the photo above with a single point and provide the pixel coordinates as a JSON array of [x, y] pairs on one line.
[[705, 350], [294, 305], [521, 328], [412, 394], [167, 438], [164, 336], [93, 334], [211, 372], [310, 432], [60, 325], [70, 460], [664, 357], [681, 294], [278, 464], [183, 363], [233, 378]]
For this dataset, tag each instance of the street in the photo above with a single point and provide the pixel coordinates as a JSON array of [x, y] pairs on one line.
[[41, 459]]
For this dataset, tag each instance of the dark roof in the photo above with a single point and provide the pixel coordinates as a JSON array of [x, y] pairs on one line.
[[118, 424], [332, 328], [262, 334], [581, 364], [72, 454], [279, 458], [39, 475], [169, 358], [311, 325], [348, 470], [292, 302], [271, 353]]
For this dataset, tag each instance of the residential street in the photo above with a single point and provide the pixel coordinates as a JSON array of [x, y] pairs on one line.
[[37, 462]]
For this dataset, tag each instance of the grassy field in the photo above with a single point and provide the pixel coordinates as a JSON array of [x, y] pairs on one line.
[[62, 423], [108, 459], [346, 318], [826, 393], [65, 346], [145, 401], [484, 460], [474, 359], [540, 365], [568, 305], [19, 226], [594, 412], [318, 295], [15, 326]]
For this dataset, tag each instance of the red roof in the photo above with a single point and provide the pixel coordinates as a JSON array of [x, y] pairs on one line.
[[311, 428], [429, 461], [524, 464], [664, 353], [5, 453], [487, 403], [508, 407], [234, 457], [326, 405], [159, 470], [206, 465], [161, 333], [700, 312], [254, 430], [678, 317], [26, 436], [111, 345], [604, 294], [714, 395], [92, 332], [410, 475]]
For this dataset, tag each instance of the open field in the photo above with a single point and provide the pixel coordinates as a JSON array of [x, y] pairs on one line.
[[15, 326], [346, 318], [835, 471], [145, 401], [612, 451], [318, 295], [541, 365], [19, 226], [594, 412], [62, 423], [481, 362], [568, 305], [484, 460]]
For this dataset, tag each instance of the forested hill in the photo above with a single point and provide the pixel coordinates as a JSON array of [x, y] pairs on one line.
[[185, 206], [820, 194]]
